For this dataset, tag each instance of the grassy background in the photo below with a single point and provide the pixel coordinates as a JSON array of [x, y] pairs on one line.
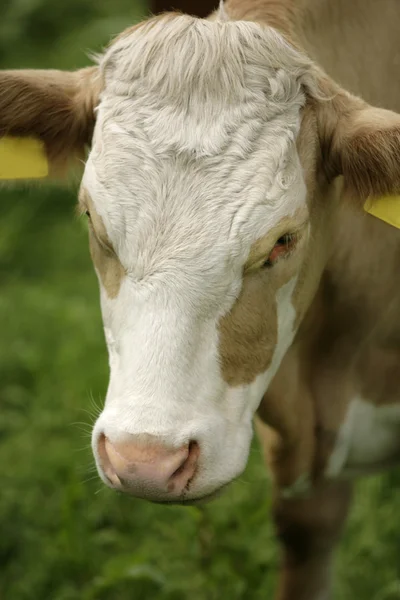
[[63, 536]]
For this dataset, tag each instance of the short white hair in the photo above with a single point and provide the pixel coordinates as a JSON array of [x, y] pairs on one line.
[[186, 59]]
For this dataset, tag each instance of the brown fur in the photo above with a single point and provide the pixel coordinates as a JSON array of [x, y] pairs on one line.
[[349, 342], [106, 262], [356, 43], [360, 142], [283, 15], [308, 530], [248, 334], [370, 160], [54, 106]]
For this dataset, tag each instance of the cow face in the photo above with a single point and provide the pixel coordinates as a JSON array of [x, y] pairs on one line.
[[208, 191], [199, 232]]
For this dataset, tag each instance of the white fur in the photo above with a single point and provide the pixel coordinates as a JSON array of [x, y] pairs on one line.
[[222, 15], [368, 439], [193, 160]]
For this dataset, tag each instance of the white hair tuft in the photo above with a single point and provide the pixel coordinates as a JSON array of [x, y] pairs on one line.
[[222, 15]]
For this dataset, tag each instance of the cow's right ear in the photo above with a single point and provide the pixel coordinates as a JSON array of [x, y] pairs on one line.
[[55, 108]]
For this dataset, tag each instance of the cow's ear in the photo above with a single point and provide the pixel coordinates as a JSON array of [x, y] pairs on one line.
[[54, 108], [362, 143]]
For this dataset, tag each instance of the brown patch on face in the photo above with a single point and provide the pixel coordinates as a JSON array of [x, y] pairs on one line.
[[249, 333], [105, 260]]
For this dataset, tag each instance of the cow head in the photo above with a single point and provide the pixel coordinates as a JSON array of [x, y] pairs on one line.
[[208, 189]]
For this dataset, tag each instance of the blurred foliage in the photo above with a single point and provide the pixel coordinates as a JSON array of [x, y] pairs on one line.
[[63, 536], [58, 35]]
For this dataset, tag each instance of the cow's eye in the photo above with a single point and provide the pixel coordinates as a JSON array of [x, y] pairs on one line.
[[87, 213], [282, 246]]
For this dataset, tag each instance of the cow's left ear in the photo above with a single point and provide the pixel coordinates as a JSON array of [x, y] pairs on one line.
[[362, 143]]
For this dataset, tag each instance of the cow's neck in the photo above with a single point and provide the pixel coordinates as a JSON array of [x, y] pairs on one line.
[[360, 331]]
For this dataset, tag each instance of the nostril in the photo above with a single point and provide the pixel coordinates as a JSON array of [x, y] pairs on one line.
[[190, 459], [105, 462], [184, 474]]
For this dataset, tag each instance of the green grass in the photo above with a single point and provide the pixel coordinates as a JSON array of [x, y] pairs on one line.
[[63, 536]]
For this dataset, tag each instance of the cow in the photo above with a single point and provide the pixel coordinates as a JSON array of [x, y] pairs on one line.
[[231, 164]]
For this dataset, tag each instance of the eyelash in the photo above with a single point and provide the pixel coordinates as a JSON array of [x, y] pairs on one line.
[[282, 246]]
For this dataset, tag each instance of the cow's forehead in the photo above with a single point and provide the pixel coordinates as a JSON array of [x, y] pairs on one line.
[[171, 208], [192, 155]]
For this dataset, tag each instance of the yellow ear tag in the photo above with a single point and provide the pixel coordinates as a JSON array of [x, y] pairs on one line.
[[386, 208], [22, 158]]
